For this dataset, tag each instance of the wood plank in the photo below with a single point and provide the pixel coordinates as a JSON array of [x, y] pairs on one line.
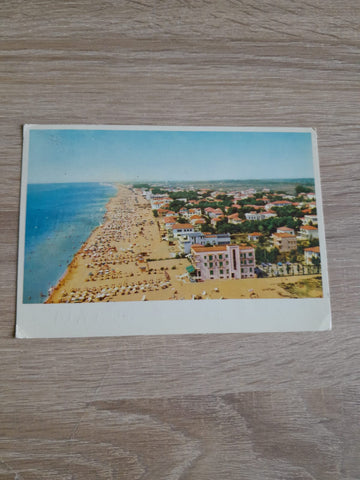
[[274, 406]]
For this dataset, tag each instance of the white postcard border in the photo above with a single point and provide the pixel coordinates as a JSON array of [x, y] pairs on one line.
[[160, 317]]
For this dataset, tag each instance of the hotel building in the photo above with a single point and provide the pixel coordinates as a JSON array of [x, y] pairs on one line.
[[202, 239], [227, 261], [285, 242]]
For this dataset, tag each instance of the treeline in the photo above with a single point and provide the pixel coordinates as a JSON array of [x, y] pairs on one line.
[[266, 256]]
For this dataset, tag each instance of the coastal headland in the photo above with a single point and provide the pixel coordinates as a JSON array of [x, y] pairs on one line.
[[127, 259]]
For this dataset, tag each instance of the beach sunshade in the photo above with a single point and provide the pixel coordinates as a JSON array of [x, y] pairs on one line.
[[190, 269]]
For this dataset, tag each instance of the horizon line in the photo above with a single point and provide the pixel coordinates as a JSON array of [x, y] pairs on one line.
[[177, 181]]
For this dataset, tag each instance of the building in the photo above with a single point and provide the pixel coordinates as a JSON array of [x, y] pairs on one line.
[[310, 253], [228, 261], [193, 219], [288, 230], [234, 219], [252, 216], [169, 222], [277, 203], [307, 232], [284, 242], [310, 219], [203, 239], [214, 221], [198, 223], [254, 236], [194, 211], [260, 215], [181, 229]]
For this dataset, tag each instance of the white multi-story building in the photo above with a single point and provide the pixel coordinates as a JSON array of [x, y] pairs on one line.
[[203, 239], [179, 229], [228, 261]]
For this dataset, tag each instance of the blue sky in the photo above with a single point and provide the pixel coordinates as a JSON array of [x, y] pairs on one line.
[[140, 155]]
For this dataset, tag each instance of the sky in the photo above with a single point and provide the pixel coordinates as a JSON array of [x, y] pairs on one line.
[[66, 155]]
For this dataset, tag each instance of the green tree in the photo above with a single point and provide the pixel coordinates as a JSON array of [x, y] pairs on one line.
[[316, 262], [155, 213], [302, 189], [158, 190], [176, 205], [313, 242]]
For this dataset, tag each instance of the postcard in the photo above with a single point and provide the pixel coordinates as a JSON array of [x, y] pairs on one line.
[[134, 230]]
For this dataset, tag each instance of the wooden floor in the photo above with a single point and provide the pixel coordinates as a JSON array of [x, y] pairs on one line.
[[265, 406]]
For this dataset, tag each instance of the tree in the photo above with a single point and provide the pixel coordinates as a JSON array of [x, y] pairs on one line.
[[155, 213], [207, 228], [316, 262], [288, 211], [232, 210], [262, 240], [313, 242], [176, 205], [302, 189], [182, 220], [293, 256]]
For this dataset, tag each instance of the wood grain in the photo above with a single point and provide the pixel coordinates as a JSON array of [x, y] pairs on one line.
[[273, 406]]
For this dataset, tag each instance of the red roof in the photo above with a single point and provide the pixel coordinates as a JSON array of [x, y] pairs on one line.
[[283, 235], [312, 249], [308, 227], [178, 226]]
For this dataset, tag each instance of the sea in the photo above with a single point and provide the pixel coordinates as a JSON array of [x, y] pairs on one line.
[[59, 219]]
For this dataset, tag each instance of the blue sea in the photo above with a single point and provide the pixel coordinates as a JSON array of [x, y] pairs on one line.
[[59, 219]]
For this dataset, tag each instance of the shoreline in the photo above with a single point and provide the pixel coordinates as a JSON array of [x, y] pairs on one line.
[[70, 266], [125, 259]]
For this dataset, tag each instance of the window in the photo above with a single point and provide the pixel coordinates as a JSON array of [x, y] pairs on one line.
[[205, 264], [210, 257], [242, 270], [220, 256], [211, 264], [250, 269], [227, 270], [221, 272], [250, 254], [205, 257], [211, 272], [221, 264]]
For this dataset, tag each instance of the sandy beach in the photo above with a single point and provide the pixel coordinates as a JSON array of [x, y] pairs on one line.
[[125, 259]]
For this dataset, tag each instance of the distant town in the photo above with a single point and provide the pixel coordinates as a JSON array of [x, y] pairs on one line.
[[239, 233]]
